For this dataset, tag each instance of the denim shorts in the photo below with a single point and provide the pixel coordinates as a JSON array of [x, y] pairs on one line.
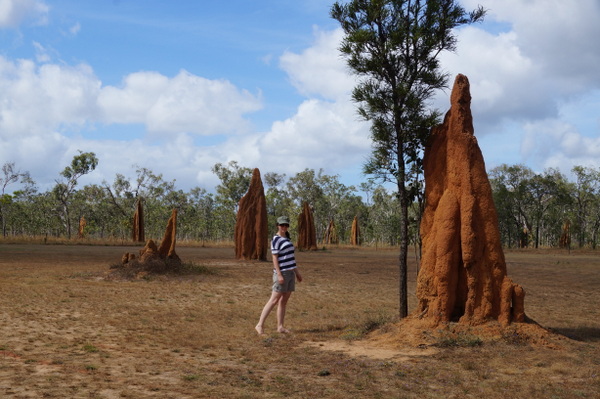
[[289, 283]]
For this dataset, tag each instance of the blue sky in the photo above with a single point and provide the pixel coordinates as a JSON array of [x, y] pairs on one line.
[[178, 86]]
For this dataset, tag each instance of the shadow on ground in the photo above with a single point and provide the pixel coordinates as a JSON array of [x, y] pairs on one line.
[[583, 334]]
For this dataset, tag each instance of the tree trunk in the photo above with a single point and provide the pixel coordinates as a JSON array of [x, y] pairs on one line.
[[403, 258], [68, 220]]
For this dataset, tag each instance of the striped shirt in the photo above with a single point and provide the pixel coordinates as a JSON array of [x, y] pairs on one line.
[[284, 250]]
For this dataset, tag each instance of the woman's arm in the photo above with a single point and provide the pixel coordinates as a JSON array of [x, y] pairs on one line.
[[280, 278]]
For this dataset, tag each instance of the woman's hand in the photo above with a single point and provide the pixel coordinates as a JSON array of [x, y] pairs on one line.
[[298, 276], [280, 279]]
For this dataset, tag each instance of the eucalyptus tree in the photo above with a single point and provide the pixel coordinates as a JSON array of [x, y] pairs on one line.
[[10, 176], [547, 191], [586, 195], [37, 213], [235, 181], [513, 198], [393, 47], [153, 190], [81, 164], [120, 195], [200, 214], [384, 217], [304, 187], [103, 219], [341, 204], [277, 197]]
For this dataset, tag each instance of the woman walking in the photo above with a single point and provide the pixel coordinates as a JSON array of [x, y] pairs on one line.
[[285, 273]]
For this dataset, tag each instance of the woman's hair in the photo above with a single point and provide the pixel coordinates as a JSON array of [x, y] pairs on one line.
[[287, 233]]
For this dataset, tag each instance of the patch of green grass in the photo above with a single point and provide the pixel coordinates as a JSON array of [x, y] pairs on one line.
[[191, 377], [90, 348], [513, 337], [352, 334], [371, 324], [460, 340]]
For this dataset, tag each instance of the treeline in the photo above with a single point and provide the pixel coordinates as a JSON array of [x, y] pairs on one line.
[[539, 209], [203, 216], [533, 209]]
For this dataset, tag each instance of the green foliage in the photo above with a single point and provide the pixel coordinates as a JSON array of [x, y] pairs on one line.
[[81, 164], [10, 176], [540, 203], [90, 348], [458, 340], [371, 324], [533, 208]]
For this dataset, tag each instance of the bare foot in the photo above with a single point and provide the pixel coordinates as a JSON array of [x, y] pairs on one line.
[[259, 330], [283, 330]]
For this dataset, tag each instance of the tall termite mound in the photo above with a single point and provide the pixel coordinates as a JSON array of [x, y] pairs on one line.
[[251, 231], [307, 235], [355, 232], [565, 237], [463, 272], [81, 230], [331, 236], [137, 233]]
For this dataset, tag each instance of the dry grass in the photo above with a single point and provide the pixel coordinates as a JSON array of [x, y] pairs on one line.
[[67, 332]]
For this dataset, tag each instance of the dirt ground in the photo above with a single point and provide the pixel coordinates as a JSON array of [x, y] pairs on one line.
[[67, 332]]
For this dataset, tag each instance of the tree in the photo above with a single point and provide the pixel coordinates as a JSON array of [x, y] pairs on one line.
[[278, 200], [81, 164], [10, 176], [547, 191], [585, 196], [393, 47], [513, 198], [202, 206], [235, 181]]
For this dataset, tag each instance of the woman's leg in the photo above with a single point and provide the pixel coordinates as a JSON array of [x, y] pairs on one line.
[[275, 297], [281, 312]]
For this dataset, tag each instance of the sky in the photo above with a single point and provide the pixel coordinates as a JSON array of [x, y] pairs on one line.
[[178, 86]]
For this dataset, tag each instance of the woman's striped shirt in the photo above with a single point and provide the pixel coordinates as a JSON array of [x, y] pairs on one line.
[[283, 248]]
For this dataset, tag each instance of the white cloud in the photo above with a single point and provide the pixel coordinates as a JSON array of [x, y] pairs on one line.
[[184, 103], [319, 70], [36, 99], [504, 82], [560, 145], [320, 135], [74, 30], [14, 12], [559, 35], [40, 155], [548, 53], [39, 98], [47, 110], [41, 54]]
